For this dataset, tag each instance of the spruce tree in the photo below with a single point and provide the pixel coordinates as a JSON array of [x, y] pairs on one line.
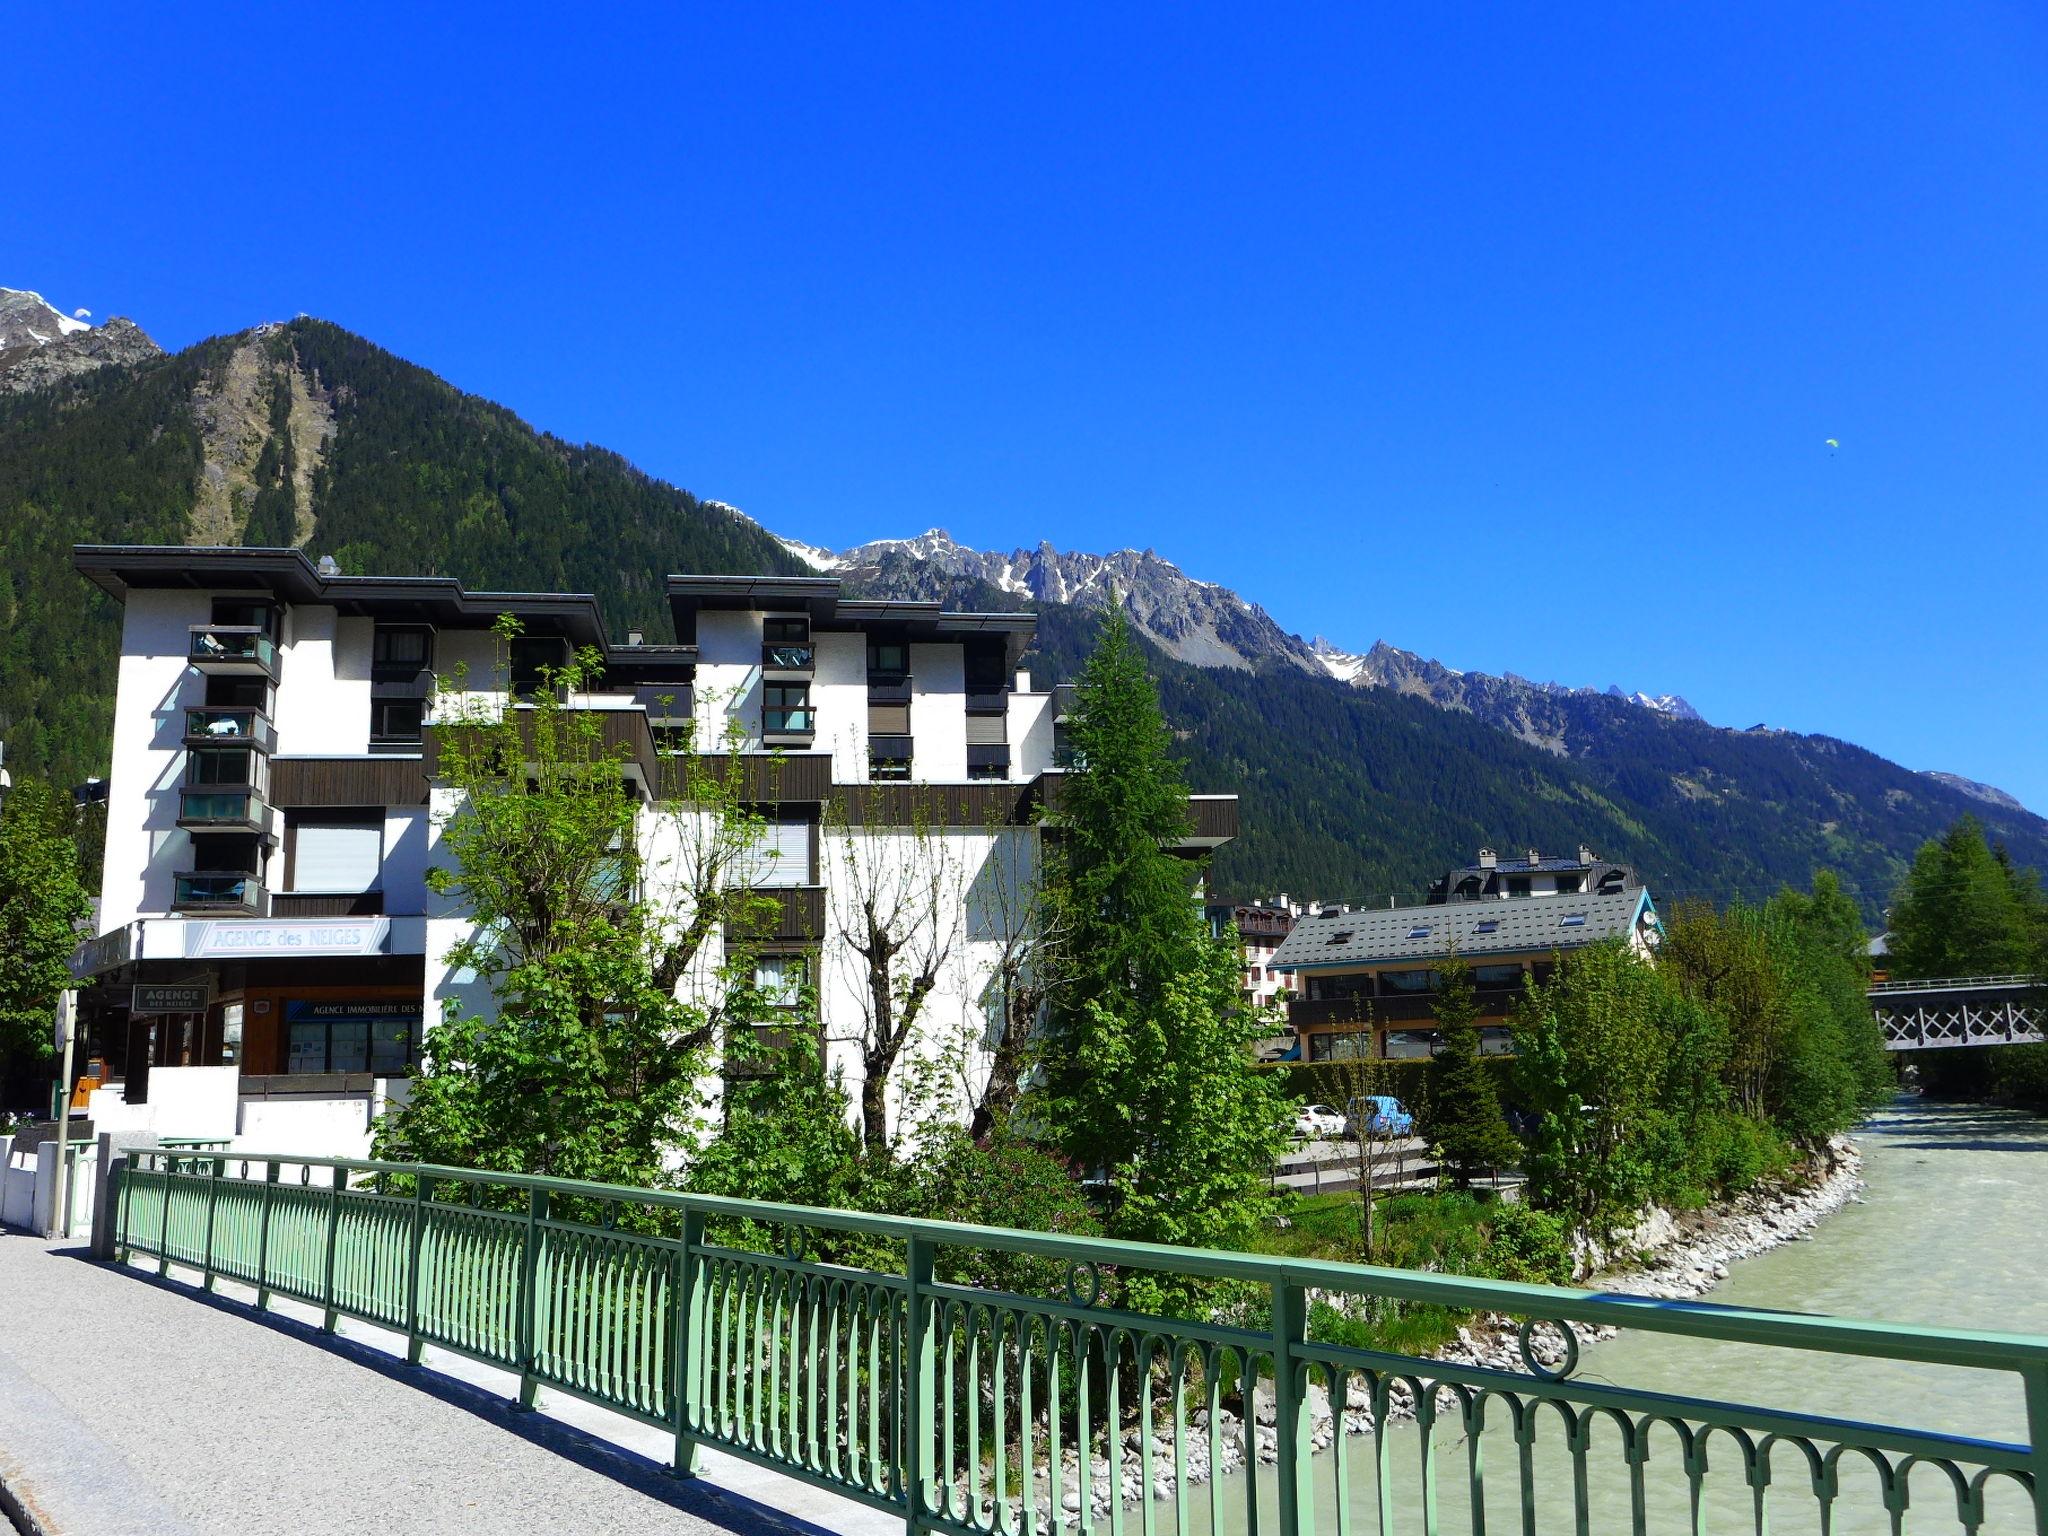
[[1147, 1069], [1463, 1118]]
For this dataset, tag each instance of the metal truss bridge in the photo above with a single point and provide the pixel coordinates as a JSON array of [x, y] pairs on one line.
[[1961, 1010]]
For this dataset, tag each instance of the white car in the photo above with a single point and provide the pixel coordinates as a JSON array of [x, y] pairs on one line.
[[1317, 1122]]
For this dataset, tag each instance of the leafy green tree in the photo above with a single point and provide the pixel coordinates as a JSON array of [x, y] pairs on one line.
[[1464, 1121], [584, 926], [42, 901], [1590, 1053], [1965, 909], [1148, 1079]]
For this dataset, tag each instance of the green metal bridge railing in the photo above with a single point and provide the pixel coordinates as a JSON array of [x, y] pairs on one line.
[[969, 1410]]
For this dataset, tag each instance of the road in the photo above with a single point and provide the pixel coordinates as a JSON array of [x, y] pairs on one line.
[[133, 1406]]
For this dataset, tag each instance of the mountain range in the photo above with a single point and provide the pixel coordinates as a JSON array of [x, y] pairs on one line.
[[1364, 773]]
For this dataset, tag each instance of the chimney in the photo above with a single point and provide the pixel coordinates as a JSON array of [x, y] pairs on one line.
[[1586, 855], [635, 637], [1486, 858], [328, 566], [1535, 858], [1023, 680]]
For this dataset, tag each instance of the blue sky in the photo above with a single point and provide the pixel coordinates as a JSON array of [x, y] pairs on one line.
[[1515, 339]]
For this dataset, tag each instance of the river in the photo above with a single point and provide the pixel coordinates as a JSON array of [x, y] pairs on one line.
[[1952, 1230]]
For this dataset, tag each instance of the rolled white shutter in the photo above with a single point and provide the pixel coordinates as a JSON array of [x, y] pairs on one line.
[[782, 856], [338, 856]]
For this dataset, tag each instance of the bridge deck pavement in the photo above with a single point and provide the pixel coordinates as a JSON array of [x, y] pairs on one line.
[[133, 1406]]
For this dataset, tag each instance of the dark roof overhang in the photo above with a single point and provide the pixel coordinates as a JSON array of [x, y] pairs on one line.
[[288, 575]]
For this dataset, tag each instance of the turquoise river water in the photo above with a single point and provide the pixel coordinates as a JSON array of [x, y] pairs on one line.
[[1952, 1230]]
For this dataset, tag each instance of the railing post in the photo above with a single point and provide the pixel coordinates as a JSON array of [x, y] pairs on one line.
[[529, 1267], [920, 1382], [1293, 1431], [212, 1201], [327, 1321], [683, 1399], [163, 1235], [2036, 1378], [414, 1344], [270, 1171]]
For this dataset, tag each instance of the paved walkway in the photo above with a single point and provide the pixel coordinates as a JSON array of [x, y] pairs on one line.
[[133, 1406]]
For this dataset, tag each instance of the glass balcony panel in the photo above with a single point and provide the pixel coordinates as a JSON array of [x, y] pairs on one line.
[[226, 889], [224, 806], [233, 643], [228, 728], [788, 658]]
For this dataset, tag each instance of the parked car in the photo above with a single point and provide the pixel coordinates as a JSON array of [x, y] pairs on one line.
[[1380, 1113], [1316, 1122]]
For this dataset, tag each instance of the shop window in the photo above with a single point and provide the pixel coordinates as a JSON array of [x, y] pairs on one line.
[[344, 1036]]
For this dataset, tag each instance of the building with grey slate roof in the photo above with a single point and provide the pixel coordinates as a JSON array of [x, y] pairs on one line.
[[1366, 979]]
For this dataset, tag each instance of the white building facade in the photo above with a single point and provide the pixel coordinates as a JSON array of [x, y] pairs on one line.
[[274, 805]]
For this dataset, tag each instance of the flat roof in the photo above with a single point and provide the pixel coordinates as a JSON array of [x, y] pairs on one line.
[[118, 569]]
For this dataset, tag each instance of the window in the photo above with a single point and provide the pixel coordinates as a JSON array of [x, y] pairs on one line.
[[398, 652], [1518, 885], [1572, 920], [1568, 885], [1410, 1044], [984, 668], [1496, 975], [379, 1037], [781, 629], [396, 720], [339, 856], [1330, 988], [220, 765], [885, 765], [782, 857], [534, 658], [1468, 888], [238, 693], [1408, 981], [888, 658], [988, 772], [1343, 936], [1418, 933], [1491, 925], [786, 709], [780, 979], [246, 612]]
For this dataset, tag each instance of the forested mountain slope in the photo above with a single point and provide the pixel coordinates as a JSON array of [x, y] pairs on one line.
[[305, 434], [1358, 781]]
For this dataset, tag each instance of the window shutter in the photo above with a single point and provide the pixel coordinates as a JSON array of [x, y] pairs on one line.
[[782, 857], [891, 720], [337, 856], [986, 731]]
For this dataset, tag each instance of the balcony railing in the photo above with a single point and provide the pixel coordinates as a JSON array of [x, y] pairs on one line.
[[216, 726], [217, 891], [889, 1375], [888, 688], [788, 656], [233, 649], [223, 810], [985, 701]]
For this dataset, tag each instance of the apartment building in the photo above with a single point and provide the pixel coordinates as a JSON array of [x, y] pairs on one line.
[[1367, 979], [1493, 878], [274, 804]]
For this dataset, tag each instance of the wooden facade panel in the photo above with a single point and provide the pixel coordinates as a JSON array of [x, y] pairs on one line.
[[301, 782], [769, 778], [798, 916], [934, 805]]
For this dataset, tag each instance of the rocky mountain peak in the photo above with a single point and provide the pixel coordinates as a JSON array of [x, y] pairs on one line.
[[40, 345]]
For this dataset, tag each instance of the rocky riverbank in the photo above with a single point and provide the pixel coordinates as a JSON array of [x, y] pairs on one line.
[[1665, 1255]]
